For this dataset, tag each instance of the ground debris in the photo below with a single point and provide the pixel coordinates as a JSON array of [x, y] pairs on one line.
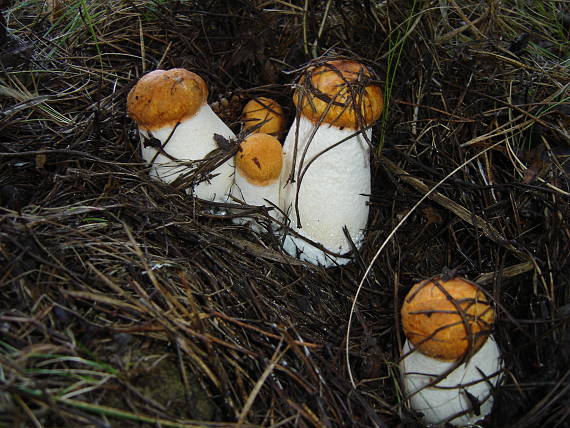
[[126, 302]]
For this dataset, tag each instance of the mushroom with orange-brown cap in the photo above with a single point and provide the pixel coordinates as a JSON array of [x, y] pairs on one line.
[[326, 179], [178, 128], [265, 115], [450, 363], [258, 167]]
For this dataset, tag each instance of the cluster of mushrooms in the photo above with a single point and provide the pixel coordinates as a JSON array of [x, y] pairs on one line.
[[316, 187]]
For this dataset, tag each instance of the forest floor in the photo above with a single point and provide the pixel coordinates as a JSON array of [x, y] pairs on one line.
[[125, 302]]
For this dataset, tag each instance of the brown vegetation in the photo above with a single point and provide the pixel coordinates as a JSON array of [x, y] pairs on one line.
[[125, 303]]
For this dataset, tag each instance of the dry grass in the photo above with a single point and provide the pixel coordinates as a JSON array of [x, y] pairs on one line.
[[123, 303]]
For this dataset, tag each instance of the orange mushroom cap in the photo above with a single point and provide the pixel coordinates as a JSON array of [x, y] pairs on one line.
[[433, 321], [260, 159], [165, 97], [264, 111], [346, 86]]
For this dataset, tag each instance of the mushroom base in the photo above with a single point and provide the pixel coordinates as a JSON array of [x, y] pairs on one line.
[[250, 194], [447, 400], [303, 250]]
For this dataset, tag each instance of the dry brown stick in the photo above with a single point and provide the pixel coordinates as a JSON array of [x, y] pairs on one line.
[[460, 211], [457, 31], [508, 272]]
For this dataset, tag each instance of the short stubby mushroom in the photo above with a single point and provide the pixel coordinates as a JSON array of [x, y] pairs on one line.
[[258, 167], [178, 128], [326, 178], [450, 362], [263, 115]]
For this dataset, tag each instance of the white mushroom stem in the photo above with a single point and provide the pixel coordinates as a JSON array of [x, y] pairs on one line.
[[333, 189], [192, 140], [466, 391], [250, 194]]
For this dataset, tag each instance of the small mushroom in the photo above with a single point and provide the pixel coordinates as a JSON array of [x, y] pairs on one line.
[[326, 178], [258, 167], [451, 363], [178, 129]]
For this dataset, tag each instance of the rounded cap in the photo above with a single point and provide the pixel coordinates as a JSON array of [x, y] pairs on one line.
[[259, 159], [166, 97], [432, 319], [355, 100], [265, 115]]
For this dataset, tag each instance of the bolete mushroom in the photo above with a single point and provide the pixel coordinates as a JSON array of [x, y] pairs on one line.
[[451, 363], [178, 129], [326, 176], [258, 167]]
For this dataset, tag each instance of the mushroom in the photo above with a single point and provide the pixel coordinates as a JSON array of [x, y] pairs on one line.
[[258, 167], [451, 363], [178, 128], [264, 115], [326, 176]]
